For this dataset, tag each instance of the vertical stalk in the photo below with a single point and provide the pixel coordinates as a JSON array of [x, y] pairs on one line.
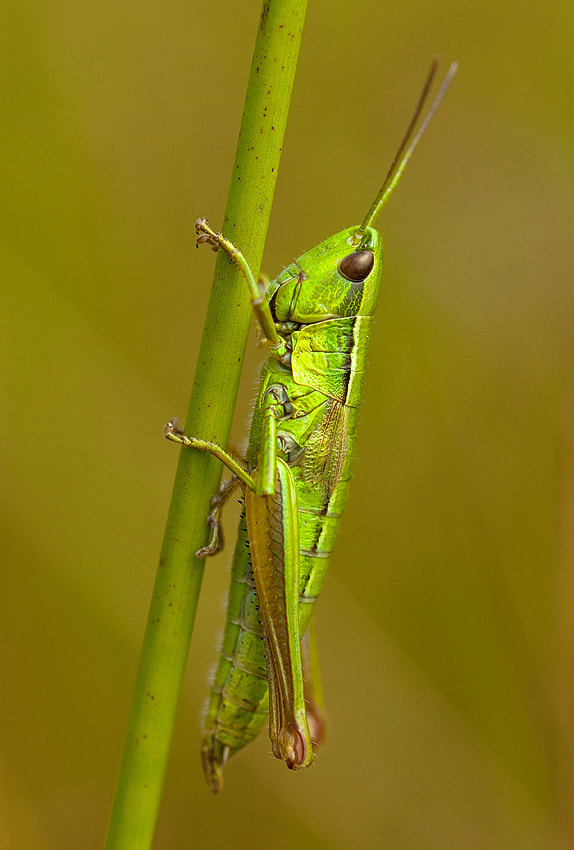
[[176, 591]]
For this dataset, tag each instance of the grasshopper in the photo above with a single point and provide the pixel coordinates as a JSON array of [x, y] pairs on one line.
[[316, 317]]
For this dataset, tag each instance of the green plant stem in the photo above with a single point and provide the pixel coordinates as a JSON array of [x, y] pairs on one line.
[[176, 591]]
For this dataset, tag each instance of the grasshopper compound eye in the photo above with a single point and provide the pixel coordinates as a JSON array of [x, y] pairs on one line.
[[357, 266]]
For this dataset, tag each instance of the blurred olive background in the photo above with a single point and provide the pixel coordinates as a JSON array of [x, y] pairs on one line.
[[446, 627]]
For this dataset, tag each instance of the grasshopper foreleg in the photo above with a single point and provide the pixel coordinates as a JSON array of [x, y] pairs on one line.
[[275, 405], [172, 432], [205, 235]]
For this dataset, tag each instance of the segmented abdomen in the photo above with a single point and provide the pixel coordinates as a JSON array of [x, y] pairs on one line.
[[238, 704]]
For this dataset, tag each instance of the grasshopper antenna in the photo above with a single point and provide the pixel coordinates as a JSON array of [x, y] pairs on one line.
[[408, 145]]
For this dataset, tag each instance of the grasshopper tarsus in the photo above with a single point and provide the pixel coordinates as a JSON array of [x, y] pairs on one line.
[[172, 431], [210, 550], [207, 236], [213, 758]]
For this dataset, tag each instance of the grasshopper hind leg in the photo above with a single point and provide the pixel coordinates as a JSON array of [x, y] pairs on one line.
[[214, 756], [312, 687]]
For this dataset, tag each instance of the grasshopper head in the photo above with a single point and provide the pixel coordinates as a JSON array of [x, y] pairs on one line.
[[342, 276], [332, 281]]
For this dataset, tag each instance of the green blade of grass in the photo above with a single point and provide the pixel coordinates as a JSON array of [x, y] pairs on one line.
[[176, 591]]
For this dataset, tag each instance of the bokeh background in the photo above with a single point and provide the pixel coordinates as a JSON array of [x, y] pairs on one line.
[[446, 626]]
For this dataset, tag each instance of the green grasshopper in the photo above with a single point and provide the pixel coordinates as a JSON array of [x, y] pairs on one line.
[[316, 316]]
